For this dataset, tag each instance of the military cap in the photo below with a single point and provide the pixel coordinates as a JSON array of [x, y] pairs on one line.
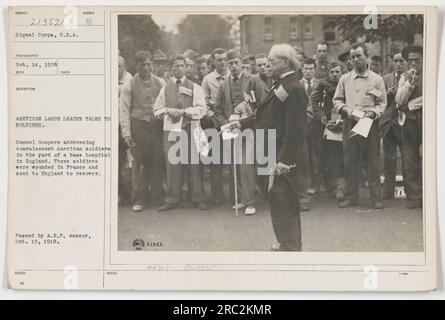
[[190, 54], [407, 50], [344, 56], [233, 54], [160, 56]]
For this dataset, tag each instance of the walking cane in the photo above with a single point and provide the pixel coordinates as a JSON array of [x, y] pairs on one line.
[[235, 179]]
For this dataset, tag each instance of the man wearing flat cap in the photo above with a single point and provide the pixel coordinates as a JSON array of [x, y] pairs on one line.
[[160, 64], [345, 57], [284, 111], [409, 98]]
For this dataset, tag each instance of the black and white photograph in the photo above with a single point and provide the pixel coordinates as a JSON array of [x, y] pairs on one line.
[[230, 148], [283, 132]]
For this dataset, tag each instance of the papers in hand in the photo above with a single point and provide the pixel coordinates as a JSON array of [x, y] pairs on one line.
[[334, 136], [227, 133], [169, 125], [401, 118], [362, 127], [201, 142], [356, 115], [415, 103]]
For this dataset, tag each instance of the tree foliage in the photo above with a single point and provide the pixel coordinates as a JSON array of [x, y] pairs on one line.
[[204, 33], [138, 32], [397, 27]]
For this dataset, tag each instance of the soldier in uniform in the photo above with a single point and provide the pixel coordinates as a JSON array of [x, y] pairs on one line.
[[142, 132], [124, 176], [345, 58], [202, 69], [389, 127], [322, 62], [191, 71], [360, 94], [160, 63], [261, 82], [181, 101], [376, 64], [409, 99], [315, 129], [231, 103], [331, 155], [300, 57], [252, 62], [284, 110], [211, 84], [260, 88], [245, 64]]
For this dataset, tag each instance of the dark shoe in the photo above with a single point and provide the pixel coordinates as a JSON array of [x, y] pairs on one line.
[[167, 207], [414, 204], [339, 196], [378, 205], [340, 190], [388, 195], [304, 206], [347, 203], [157, 203], [201, 205]]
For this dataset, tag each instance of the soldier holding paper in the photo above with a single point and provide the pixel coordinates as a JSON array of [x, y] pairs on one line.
[[233, 102], [409, 99], [181, 103], [332, 166], [360, 95]]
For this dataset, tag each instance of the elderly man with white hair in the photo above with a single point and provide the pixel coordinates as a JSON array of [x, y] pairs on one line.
[[284, 111]]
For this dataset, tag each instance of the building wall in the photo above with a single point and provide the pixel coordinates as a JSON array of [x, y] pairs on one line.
[[255, 40]]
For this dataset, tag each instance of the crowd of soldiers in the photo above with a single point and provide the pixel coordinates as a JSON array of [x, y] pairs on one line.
[[226, 89]]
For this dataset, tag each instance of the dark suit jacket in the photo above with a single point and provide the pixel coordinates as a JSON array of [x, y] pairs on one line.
[[260, 88], [288, 118], [323, 93], [223, 104], [310, 109], [388, 121]]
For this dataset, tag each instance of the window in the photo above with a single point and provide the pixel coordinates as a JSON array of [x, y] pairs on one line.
[[268, 28], [329, 29], [307, 27], [294, 28]]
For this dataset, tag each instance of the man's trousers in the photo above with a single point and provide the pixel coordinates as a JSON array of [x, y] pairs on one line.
[[148, 167], [174, 167], [355, 150], [285, 212], [411, 142]]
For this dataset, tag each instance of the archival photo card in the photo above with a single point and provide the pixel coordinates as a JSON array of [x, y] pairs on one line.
[[222, 148]]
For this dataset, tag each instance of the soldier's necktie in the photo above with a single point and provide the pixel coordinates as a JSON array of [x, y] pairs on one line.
[[309, 88]]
